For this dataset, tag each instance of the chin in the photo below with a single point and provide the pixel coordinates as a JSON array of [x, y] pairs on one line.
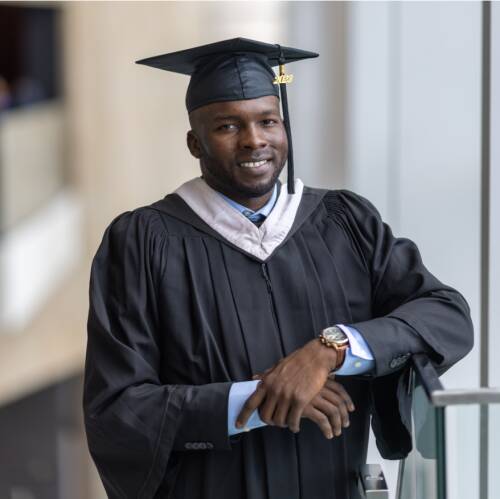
[[257, 189]]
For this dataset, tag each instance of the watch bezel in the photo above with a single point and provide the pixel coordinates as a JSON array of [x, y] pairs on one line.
[[331, 336]]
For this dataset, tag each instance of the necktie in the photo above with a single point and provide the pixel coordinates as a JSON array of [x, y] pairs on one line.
[[256, 218]]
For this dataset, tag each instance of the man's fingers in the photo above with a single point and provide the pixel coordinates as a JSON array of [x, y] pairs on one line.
[[267, 409], [332, 412], [281, 412], [321, 420], [338, 402], [341, 391], [250, 405], [294, 416]]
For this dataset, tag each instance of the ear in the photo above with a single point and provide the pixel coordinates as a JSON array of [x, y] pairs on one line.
[[193, 144]]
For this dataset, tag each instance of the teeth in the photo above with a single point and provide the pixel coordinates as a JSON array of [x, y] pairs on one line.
[[253, 164]]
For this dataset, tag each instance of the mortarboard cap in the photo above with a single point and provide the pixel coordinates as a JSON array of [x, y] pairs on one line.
[[235, 69]]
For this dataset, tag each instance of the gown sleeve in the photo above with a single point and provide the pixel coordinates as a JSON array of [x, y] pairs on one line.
[[412, 312], [133, 420]]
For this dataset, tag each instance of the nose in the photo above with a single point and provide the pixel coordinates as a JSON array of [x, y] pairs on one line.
[[251, 137]]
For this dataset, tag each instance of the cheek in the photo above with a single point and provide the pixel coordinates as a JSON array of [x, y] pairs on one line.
[[218, 148], [281, 142]]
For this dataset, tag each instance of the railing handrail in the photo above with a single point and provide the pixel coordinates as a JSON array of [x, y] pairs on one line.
[[480, 396], [441, 397]]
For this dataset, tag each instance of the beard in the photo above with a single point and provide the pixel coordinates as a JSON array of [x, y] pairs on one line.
[[222, 181]]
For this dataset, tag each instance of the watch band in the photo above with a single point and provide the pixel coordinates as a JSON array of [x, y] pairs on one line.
[[340, 357], [340, 349]]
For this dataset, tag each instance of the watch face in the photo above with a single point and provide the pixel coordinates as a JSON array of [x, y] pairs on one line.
[[335, 334]]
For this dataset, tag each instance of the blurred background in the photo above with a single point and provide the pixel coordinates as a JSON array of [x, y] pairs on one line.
[[393, 109]]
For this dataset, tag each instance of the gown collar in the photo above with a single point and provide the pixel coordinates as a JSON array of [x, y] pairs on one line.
[[235, 227]]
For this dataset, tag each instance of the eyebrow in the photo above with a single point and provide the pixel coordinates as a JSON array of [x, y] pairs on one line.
[[235, 117], [226, 117]]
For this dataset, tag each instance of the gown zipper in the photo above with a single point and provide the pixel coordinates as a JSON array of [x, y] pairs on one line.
[[265, 274]]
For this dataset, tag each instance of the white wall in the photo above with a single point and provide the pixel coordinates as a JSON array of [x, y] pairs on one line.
[[316, 96]]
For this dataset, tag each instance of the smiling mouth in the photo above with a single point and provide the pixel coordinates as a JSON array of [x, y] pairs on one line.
[[253, 164]]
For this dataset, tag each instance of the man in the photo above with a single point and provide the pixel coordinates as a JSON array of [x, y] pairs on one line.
[[227, 306]]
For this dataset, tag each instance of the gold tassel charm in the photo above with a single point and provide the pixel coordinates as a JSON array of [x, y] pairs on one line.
[[283, 77]]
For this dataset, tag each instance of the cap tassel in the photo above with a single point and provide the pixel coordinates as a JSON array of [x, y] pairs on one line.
[[286, 119]]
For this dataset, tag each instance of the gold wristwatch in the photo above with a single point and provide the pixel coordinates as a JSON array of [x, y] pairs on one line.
[[334, 337]]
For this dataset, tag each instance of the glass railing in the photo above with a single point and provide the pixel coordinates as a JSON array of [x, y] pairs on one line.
[[456, 441], [494, 450], [422, 475]]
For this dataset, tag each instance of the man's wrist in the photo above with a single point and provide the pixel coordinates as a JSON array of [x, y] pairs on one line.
[[329, 356], [334, 339]]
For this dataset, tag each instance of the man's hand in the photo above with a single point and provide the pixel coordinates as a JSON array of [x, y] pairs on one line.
[[287, 388], [330, 408]]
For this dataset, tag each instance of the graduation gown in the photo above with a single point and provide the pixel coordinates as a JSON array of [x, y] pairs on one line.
[[178, 312]]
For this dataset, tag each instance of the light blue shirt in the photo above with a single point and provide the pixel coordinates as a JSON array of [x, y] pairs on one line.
[[358, 358], [250, 214]]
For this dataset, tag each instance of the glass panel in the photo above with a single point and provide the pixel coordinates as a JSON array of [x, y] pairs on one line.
[[462, 451], [423, 472], [406, 479], [494, 452]]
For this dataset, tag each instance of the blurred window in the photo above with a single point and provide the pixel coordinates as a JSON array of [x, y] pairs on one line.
[[31, 110], [29, 55]]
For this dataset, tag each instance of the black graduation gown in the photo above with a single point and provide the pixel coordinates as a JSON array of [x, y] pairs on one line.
[[177, 313]]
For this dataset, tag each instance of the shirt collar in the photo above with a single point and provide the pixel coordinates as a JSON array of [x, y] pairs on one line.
[[265, 210]]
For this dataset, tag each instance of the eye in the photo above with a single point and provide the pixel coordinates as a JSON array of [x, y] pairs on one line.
[[227, 127], [269, 122]]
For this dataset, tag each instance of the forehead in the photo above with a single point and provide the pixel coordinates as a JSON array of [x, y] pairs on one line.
[[262, 105]]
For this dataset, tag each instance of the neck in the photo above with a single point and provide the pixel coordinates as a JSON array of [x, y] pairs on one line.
[[253, 203]]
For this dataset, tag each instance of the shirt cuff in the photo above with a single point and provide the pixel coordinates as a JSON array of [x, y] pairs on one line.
[[358, 357], [238, 395]]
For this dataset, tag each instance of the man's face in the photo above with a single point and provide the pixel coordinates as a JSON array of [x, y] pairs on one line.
[[241, 145]]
